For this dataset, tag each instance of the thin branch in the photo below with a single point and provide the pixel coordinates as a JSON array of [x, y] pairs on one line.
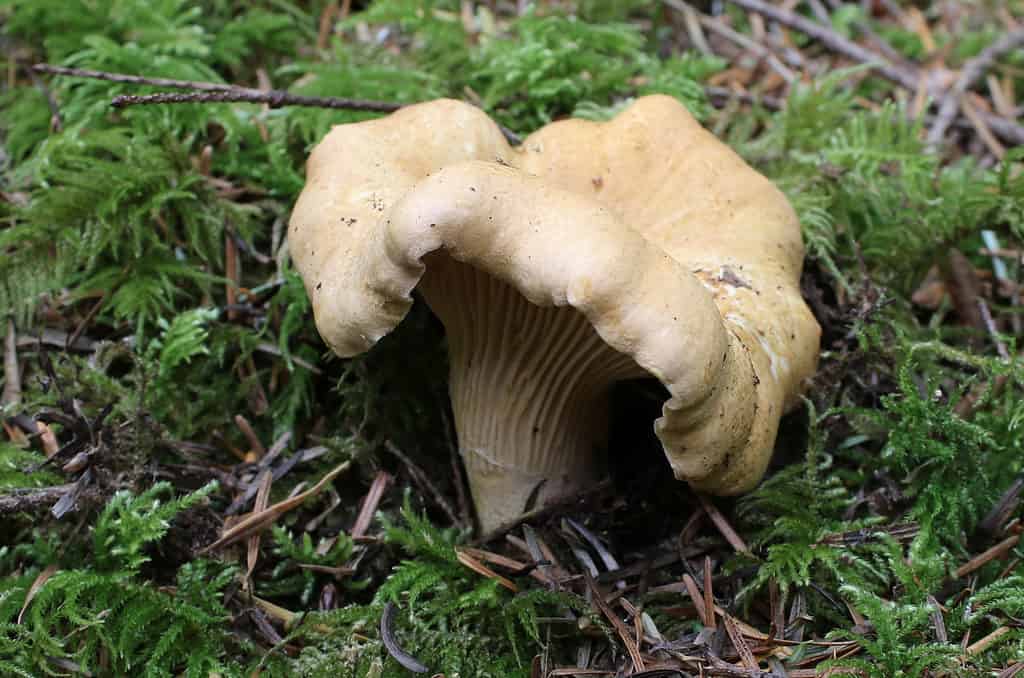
[[999, 551], [553, 507], [597, 600], [749, 45], [901, 75], [999, 514], [723, 95], [726, 530], [12, 372], [27, 501], [56, 124], [828, 37], [274, 97], [424, 481], [206, 92], [865, 28], [133, 79], [971, 72]]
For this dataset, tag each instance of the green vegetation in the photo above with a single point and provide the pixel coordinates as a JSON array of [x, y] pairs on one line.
[[154, 236]]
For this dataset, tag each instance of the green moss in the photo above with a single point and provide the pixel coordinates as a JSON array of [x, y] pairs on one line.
[[128, 212]]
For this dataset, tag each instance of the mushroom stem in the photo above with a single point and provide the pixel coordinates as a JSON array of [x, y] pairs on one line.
[[529, 388]]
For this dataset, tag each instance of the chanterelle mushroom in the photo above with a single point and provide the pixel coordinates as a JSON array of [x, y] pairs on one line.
[[594, 252]]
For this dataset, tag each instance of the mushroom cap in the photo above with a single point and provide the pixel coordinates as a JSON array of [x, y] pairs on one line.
[[676, 251]]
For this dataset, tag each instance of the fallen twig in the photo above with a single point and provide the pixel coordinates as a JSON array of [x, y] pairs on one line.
[[233, 92], [36, 587], [552, 508], [937, 620], [707, 617], [969, 74], [984, 558], [828, 37], [986, 642], [908, 78], [274, 98], [423, 480], [731, 536], [467, 558], [29, 501], [865, 28], [993, 331], [12, 373], [370, 503], [262, 500], [738, 642], [997, 516], [257, 522], [749, 45], [597, 598], [255, 445]]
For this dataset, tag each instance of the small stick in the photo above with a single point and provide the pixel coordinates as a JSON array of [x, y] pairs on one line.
[[370, 504], [73, 337], [990, 326], [709, 595], [731, 536], [693, 29], [964, 289], [738, 642], [230, 92], [231, 275], [984, 558], [261, 503], [326, 23], [725, 94], [1011, 671], [937, 621], [899, 74], [472, 563], [56, 124], [832, 40], [257, 522], [698, 602], [864, 27], [458, 475], [972, 71], [747, 44], [993, 522], [421, 478], [982, 128], [597, 599], [274, 98], [987, 642], [250, 435], [218, 91], [819, 11], [12, 371], [17, 501], [547, 510]]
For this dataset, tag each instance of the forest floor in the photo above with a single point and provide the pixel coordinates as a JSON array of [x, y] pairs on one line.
[[191, 485]]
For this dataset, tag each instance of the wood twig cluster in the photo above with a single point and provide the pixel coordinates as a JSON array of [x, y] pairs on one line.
[[955, 107]]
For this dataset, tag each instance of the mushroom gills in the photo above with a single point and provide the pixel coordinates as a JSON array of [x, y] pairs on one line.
[[529, 387]]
